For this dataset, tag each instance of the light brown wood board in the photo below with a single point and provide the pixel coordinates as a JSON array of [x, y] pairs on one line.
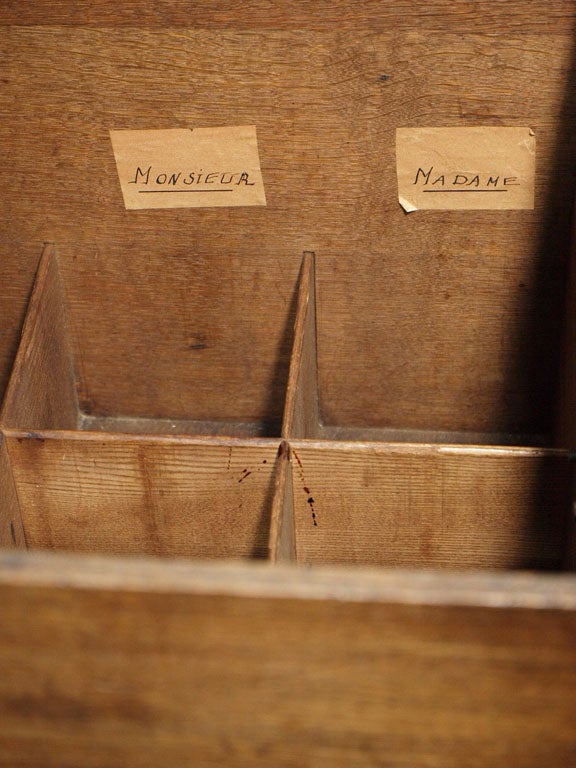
[[171, 496], [438, 321], [42, 389], [121, 663], [430, 506], [436, 15], [302, 409], [282, 539], [11, 530]]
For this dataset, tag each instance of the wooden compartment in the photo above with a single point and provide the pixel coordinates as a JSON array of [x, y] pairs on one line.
[[392, 431], [412, 504], [430, 506], [121, 485], [145, 392]]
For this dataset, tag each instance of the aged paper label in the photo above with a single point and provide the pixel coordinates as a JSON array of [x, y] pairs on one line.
[[189, 168], [476, 168]]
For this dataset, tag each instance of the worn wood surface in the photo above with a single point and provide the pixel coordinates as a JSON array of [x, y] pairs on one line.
[[42, 389], [122, 664], [302, 410], [443, 323], [362, 434], [11, 530], [282, 541], [456, 15], [18, 264], [217, 428], [134, 495], [440, 321], [199, 339], [430, 506]]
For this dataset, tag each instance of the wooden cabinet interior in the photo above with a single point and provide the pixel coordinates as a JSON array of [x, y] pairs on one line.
[[348, 439], [301, 497]]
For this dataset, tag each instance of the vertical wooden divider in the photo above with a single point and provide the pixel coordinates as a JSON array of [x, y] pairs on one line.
[[42, 389], [301, 413], [11, 528], [282, 542]]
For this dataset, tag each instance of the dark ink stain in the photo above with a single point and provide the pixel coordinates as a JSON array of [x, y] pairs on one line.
[[229, 459], [264, 461], [12, 532], [311, 503], [384, 78], [306, 489], [198, 346], [247, 474], [298, 459]]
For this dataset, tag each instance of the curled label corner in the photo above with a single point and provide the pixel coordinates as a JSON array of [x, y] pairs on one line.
[[406, 204]]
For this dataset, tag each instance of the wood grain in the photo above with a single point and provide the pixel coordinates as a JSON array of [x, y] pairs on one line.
[[457, 15], [184, 347], [119, 494], [11, 529], [372, 677], [434, 323], [345, 434], [430, 506], [282, 540], [18, 263], [302, 410], [392, 288], [42, 389]]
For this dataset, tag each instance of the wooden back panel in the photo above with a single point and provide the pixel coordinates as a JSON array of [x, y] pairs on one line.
[[436, 320]]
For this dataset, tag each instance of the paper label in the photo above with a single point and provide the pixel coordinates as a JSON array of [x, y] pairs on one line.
[[476, 168], [189, 168]]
